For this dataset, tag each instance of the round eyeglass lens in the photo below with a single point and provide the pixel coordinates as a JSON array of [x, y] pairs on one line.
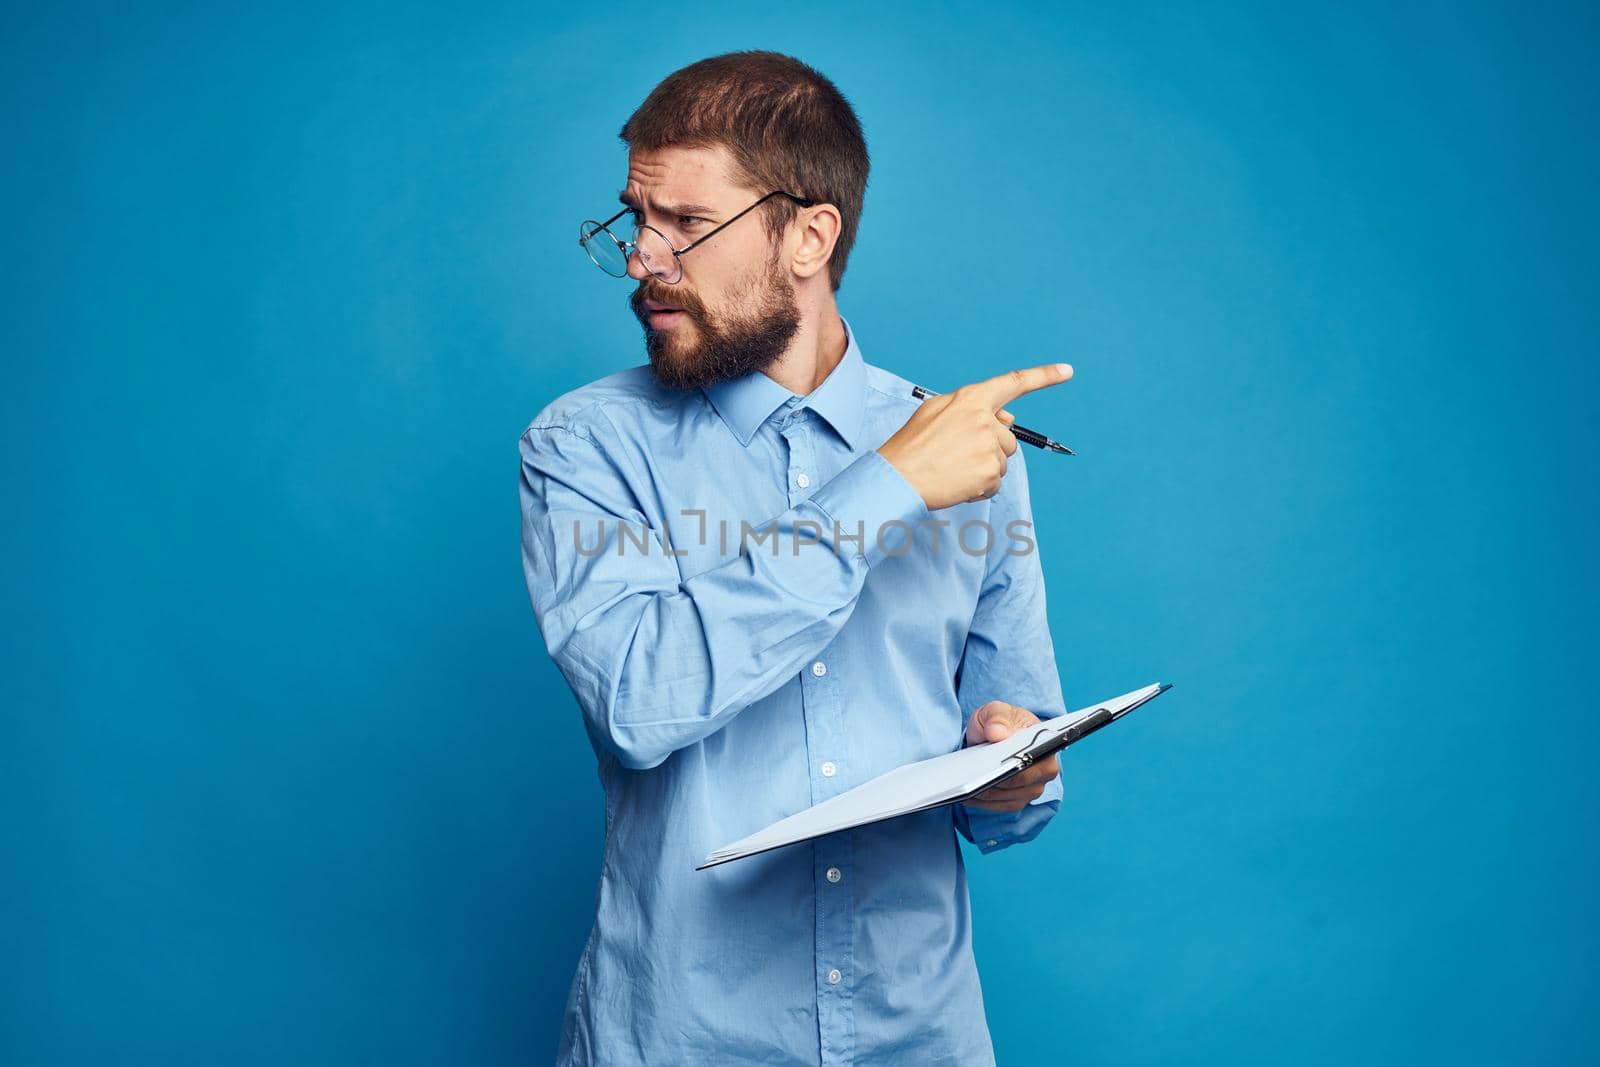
[[656, 253], [603, 248]]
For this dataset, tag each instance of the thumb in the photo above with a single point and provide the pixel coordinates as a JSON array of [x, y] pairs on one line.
[[992, 722]]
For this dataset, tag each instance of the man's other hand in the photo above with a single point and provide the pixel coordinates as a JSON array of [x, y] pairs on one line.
[[996, 721]]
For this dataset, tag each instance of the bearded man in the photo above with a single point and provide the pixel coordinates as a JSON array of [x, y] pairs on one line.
[[769, 574]]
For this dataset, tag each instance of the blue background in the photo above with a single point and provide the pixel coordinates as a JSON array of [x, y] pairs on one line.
[[287, 774]]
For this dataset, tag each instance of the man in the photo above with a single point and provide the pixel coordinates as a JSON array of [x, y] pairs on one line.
[[769, 574]]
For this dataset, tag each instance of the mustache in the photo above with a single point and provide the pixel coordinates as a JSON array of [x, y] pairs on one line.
[[680, 299]]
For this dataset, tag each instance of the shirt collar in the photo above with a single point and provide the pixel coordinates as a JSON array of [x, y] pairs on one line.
[[745, 403]]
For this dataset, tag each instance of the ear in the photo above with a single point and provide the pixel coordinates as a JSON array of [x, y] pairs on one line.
[[819, 232]]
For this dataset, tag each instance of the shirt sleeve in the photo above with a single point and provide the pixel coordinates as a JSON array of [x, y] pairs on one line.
[[1009, 654], [658, 662]]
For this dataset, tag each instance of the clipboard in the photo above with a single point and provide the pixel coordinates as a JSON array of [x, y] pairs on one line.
[[931, 783]]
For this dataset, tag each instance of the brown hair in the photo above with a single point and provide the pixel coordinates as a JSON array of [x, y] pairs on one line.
[[786, 126]]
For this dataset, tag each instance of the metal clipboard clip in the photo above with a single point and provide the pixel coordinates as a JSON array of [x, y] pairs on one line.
[[1050, 738]]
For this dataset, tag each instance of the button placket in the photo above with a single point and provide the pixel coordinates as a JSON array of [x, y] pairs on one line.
[[835, 945], [802, 459], [825, 740]]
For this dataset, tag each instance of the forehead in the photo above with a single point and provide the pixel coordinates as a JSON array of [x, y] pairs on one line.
[[680, 174]]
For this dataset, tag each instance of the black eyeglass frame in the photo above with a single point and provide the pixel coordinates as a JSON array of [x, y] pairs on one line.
[[627, 247]]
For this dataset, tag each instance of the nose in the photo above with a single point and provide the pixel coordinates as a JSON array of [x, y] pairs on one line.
[[636, 268]]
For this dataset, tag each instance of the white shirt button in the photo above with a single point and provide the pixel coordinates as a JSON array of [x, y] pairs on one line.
[[834, 976], [802, 480], [819, 668], [834, 874], [828, 769], [991, 842]]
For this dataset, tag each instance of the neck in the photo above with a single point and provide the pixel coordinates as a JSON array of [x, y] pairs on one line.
[[816, 349]]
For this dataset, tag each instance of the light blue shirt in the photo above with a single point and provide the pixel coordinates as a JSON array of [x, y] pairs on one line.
[[725, 685]]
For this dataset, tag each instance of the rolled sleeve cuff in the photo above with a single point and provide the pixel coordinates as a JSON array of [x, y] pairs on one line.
[[873, 499], [991, 831]]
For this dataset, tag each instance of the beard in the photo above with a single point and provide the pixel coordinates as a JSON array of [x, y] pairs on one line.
[[701, 349]]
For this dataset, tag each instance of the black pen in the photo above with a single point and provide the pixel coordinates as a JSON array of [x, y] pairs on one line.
[[1022, 433]]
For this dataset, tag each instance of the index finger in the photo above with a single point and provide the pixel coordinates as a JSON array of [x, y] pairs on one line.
[[1004, 388], [1040, 772]]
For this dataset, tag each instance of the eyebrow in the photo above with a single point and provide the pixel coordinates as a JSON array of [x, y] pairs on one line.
[[670, 209]]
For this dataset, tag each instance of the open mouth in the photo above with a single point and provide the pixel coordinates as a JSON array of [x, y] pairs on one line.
[[665, 318]]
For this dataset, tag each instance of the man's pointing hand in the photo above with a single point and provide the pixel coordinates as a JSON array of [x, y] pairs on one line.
[[996, 721], [953, 449]]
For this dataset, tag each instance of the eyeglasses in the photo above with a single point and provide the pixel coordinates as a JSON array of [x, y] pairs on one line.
[[611, 254]]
